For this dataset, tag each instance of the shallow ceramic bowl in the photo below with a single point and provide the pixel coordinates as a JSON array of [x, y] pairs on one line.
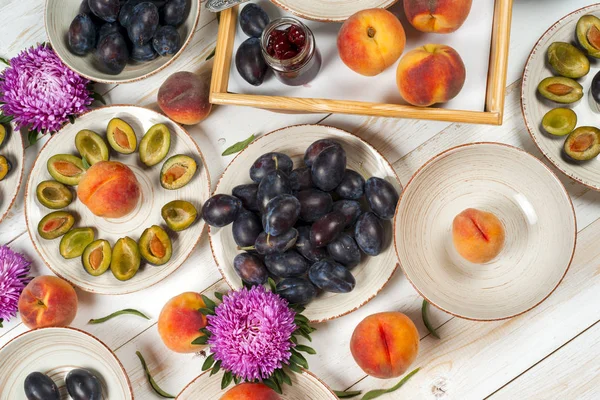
[[523, 193], [330, 10], [146, 214], [12, 149], [58, 17], [535, 106], [372, 273], [56, 351], [304, 386]]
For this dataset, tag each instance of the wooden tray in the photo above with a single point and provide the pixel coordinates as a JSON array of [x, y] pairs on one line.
[[494, 96]]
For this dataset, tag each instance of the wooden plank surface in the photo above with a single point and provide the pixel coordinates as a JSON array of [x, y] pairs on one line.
[[549, 353]]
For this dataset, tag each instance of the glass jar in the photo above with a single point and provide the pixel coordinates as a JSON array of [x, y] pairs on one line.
[[299, 69]]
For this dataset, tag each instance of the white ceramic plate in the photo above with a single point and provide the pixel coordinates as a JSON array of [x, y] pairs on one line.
[[330, 10], [12, 149], [372, 273], [56, 351], [305, 386], [523, 193], [58, 17], [535, 106], [147, 213]]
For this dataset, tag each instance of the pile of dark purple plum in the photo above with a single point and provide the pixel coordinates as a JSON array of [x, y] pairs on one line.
[[119, 31], [304, 227]]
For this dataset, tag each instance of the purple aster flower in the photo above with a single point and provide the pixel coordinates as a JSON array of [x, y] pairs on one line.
[[40, 92], [250, 333], [14, 268]]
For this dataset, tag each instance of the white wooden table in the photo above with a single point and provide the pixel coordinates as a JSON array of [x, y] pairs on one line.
[[552, 352]]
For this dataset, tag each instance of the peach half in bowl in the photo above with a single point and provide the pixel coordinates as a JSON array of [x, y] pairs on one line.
[[485, 231]]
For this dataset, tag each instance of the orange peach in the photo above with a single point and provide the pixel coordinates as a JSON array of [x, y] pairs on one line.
[[180, 322], [478, 236], [184, 97], [109, 189], [438, 16], [431, 74], [251, 391], [47, 301], [370, 41], [384, 345]]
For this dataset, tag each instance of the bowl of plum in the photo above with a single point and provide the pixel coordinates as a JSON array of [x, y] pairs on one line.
[[115, 41], [308, 207]]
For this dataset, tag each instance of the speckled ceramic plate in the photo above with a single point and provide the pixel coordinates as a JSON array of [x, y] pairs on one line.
[[330, 10], [530, 201], [304, 386], [56, 351], [372, 273], [146, 214], [12, 149], [535, 106], [58, 17]]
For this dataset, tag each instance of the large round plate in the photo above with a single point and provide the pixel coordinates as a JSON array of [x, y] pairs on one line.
[[145, 215], [372, 273], [56, 351], [535, 106], [12, 149], [58, 16], [330, 10], [523, 193], [304, 386]]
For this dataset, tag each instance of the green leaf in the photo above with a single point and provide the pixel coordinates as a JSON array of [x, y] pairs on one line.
[[4, 61], [154, 385], [285, 378], [71, 119], [236, 380], [206, 311], [33, 137], [294, 368], [301, 318], [303, 334], [86, 164], [127, 311], [219, 296], [208, 363], [294, 339], [227, 379], [346, 395], [98, 97], [425, 316], [305, 349], [373, 394], [272, 285], [212, 54], [201, 340], [215, 368], [1, 321], [273, 385], [209, 303], [299, 359], [5, 119], [237, 147], [298, 308]]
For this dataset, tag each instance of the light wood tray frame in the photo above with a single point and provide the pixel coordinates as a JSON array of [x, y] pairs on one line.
[[494, 102]]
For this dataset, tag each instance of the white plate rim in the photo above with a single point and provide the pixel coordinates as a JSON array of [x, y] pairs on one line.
[[17, 134], [342, 132], [58, 328], [201, 221], [385, 5], [524, 101], [139, 78], [564, 192]]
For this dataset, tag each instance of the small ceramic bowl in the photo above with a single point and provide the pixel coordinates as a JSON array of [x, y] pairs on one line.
[[146, 214], [330, 10], [55, 352], [372, 273], [12, 149], [530, 201], [58, 17], [304, 386], [534, 106]]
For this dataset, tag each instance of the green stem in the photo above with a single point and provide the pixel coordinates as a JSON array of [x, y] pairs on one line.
[[426, 321], [153, 383], [130, 311]]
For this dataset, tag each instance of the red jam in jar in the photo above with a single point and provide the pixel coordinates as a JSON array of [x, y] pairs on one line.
[[289, 48]]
